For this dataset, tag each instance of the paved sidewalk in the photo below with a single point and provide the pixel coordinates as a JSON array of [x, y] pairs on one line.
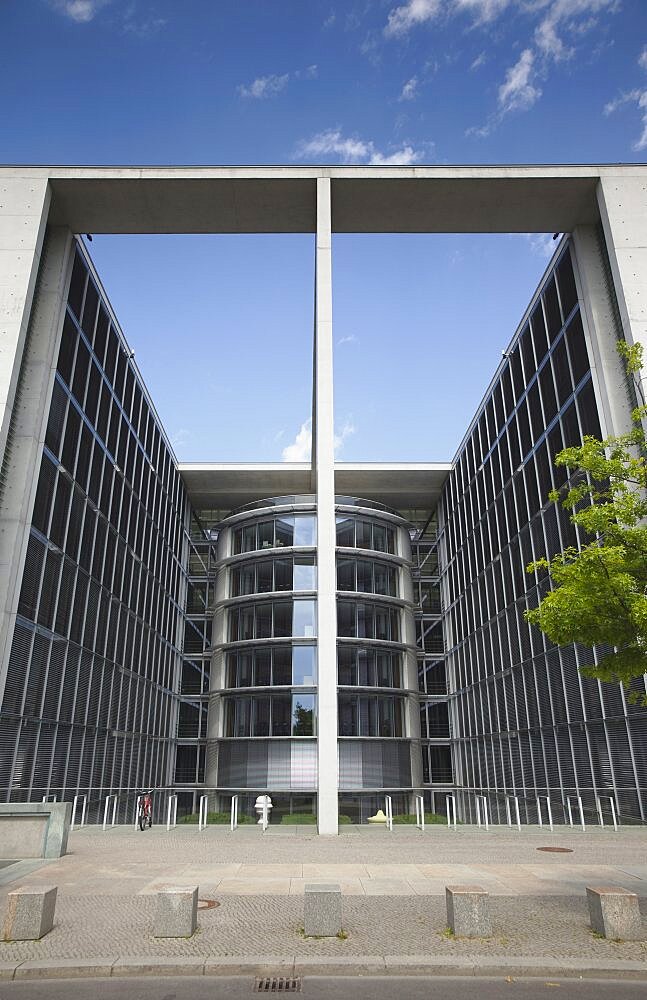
[[393, 885]]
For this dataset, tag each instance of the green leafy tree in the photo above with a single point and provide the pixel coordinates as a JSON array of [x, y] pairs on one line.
[[599, 594]]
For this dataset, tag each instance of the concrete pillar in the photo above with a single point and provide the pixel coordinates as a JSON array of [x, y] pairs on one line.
[[323, 466], [614, 912], [602, 330], [622, 200], [468, 911], [35, 364]]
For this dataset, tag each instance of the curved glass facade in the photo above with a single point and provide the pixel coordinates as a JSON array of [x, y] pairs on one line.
[[263, 702], [378, 715]]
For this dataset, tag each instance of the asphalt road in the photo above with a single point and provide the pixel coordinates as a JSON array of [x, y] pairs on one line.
[[324, 988]]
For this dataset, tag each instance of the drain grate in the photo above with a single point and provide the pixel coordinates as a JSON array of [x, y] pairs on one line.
[[278, 984], [556, 850]]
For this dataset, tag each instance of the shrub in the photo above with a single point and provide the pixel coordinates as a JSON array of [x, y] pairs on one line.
[[302, 819], [430, 818], [216, 818]]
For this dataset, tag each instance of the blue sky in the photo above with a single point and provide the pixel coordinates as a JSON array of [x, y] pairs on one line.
[[420, 322]]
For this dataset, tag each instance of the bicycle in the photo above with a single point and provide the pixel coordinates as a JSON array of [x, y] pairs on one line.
[[145, 811]]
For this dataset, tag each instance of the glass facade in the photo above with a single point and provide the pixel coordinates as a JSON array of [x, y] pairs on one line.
[[90, 703], [523, 719], [264, 640], [164, 645]]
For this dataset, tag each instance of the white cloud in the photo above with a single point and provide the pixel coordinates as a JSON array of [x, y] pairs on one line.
[[483, 10], [639, 98], [642, 58], [479, 61], [301, 448], [517, 92], [413, 12], [542, 244], [350, 339], [81, 11], [576, 16], [264, 86], [350, 149], [346, 431], [330, 20], [410, 90]]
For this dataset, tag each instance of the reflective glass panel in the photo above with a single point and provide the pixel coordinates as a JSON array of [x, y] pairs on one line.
[[264, 577], [283, 574], [282, 666], [303, 711], [262, 668], [303, 621], [282, 618], [305, 532], [305, 575], [304, 665], [284, 531]]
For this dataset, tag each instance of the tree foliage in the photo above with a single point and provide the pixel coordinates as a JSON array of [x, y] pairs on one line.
[[599, 595]]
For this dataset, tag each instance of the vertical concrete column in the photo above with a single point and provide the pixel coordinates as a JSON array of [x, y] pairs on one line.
[[323, 457], [623, 210], [29, 412], [602, 330]]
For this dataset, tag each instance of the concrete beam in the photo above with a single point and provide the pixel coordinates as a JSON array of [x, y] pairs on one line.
[[367, 199]]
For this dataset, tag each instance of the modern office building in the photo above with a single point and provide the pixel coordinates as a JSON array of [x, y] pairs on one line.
[[323, 632]]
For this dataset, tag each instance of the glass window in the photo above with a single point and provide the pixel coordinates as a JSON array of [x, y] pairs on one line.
[[282, 666], [303, 621], [364, 576], [305, 530], [283, 618], [345, 532], [246, 623], [363, 535], [283, 575], [305, 574], [304, 665], [249, 538], [346, 574], [346, 672], [345, 618], [284, 531], [281, 715], [262, 667], [263, 621], [303, 711], [266, 535], [261, 717], [245, 670], [264, 577]]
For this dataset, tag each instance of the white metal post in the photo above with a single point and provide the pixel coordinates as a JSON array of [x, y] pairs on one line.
[[516, 809], [83, 810], [389, 812], [172, 808], [139, 798], [420, 812], [614, 815], [114, 810], [49, 798], [265, 814], [486, 821], [202, 812], [580, 808], [548, 810], [233, 823], [450, 802]]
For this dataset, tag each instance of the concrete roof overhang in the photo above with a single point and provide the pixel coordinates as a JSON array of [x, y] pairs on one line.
[[398, 485], [283, 199]]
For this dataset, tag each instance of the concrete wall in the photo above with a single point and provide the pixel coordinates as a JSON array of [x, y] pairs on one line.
[[34, 829]]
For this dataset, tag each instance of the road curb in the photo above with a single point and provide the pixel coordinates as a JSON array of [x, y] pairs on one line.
[[351, 965]]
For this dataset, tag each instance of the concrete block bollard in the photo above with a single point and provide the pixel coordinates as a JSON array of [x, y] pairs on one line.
[[176, 914], [322, 910], [30, 913], [468, 911], [614, 912]]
